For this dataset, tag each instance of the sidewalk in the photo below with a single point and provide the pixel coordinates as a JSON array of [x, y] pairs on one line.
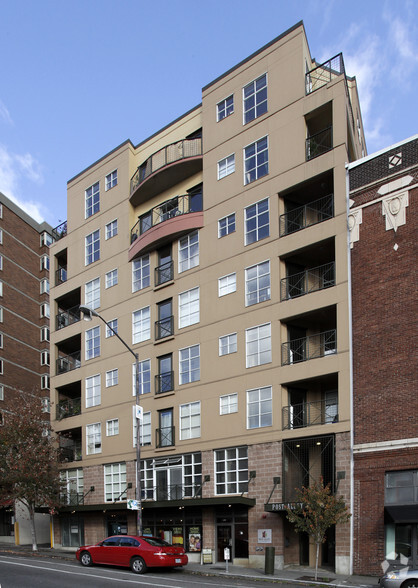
[[295, 575]]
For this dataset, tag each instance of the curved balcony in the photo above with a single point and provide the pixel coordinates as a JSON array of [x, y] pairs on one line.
[[165, 168], [166, 222]]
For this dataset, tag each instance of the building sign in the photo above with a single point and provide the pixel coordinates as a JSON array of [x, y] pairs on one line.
[[281, 506], [264, 535]]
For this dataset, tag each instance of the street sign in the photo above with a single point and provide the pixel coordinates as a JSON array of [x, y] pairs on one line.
[[133, 505], [139, 412]]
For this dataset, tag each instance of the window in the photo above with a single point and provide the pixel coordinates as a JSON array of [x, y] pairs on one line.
[[141, 325], [164, 381], [1, 237], [257, 221], [255, 98], [93, 438], [189, 251], [111, 229], [45, 358], [256, 160], [226, 225], [1, 340], [1, 263], [112, 427], [231, 470], [1, 288], [93, 247], [44, 380], [1, 391], [45, 334], [92, 200], [113, 324], [72, 485], [112, 378], [226, 166], [259, 408], [189, 367], [45, 262], [93, 391], [401, 487], [46, 239], [115, 482], [190, 420], [227, 284], [228, 404], [45, 286], [228, 344], [45, 404], [93, 343], [140, 273], [45, 310], [189, 308], [92, 294], [1, 314], [224, 108], [258, 345], [145, 429], [257, 283], [144, 377], [1, 367], [111, 180], [111, 278], [1, 210]]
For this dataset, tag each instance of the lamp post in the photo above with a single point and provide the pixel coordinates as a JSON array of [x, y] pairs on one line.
[[88, 314]]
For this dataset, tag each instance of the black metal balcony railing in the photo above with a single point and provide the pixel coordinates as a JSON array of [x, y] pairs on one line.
[[164, 328], [61, 275], [184, 204], [310, 280], [311, 347], [305, 216], [71, 498], [68, 317], [171, 492], [164, 273], [71, 453], [165, 156], [164, 382], [165, 437], [68, 408], [319, 143], [69, 362], [308, 414], [60, 231]]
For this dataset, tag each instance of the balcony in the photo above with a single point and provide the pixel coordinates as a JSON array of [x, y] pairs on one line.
[[68, 408], [71, 452], [305, 216], [165, 168], [171, 492], [311, 347], [309, 414], [60, 231], [164, 273], [164, 328], [68, 363], [165, 437], [310, 280], [67, 317], [319, 143], [71, 499], [164, 382]]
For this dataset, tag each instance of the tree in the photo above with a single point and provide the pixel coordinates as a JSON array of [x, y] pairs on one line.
[[317, 509], [28, 458]]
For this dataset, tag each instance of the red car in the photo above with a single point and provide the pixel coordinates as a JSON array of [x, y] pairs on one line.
[[138, 553]]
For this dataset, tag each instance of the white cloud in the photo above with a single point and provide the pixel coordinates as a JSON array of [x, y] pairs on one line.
[[4, 114], [14, 169]]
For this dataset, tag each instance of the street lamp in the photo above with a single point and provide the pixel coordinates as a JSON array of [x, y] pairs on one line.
[[88, 314]]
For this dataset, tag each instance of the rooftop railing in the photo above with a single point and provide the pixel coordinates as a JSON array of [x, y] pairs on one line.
[[308, 414], [310, 280], [307, 215], [60, 231], [311, 347]]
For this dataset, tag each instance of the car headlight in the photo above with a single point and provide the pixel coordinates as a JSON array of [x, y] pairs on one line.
[[392, 575]]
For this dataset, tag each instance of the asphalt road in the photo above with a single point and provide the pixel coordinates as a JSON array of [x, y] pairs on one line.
[[27, 572]]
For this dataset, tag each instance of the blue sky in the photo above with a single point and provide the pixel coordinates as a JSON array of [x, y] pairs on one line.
[[80, 77]]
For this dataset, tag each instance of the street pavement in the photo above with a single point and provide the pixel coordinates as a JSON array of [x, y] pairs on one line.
[[293, 574]]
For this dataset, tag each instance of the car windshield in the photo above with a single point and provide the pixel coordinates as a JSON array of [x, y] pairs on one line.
[[155, 542]]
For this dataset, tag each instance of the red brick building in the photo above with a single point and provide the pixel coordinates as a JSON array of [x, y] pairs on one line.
[[24, 321], [382, 223]]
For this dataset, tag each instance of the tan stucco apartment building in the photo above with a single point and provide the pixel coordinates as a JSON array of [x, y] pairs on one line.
[[218, 250]]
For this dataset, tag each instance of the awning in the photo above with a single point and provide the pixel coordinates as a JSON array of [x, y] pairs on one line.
[[405, 513]]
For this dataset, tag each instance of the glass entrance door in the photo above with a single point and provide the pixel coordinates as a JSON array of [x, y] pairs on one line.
[[224, 539]]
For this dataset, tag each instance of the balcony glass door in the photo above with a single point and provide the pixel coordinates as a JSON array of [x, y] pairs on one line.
[[166, 428]]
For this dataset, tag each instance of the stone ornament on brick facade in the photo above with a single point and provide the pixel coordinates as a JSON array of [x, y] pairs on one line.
[[395, 160], [394, 210], [355, 218]]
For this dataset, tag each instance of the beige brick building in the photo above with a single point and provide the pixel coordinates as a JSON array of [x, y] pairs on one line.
[[218, 250]]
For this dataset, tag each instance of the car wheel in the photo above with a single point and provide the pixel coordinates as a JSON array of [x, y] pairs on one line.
[[85, 559], [138, 565], [410, 584]]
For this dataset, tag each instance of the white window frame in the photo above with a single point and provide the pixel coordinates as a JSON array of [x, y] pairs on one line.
[[255, 93], [259, 227], [111, 180], [44, 262], [92, 200], [188, 252], [114, 324], [112, 427], [145, 431], [189, 307], [1, 314], [260, 407], [231, 467], [254, 173], [44, 286], [141, 325], [258, 349], [44, 381], [228, 403], [190, 420], [45, 357], [188, 373], [111, 278], [112, 378], [92, 336], [1, 263], [92, 247], [141, 273], [1, 391], [45, 404], [226, 166], [45, 310], [226, 225], [46, 239], [93, 438], [228, 344], [45, 334], [93, 391], [255, 290], [223, 109], [115, 486], [1, 367], [111, 229], [1, 237], [227, 284], [144, 377]]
